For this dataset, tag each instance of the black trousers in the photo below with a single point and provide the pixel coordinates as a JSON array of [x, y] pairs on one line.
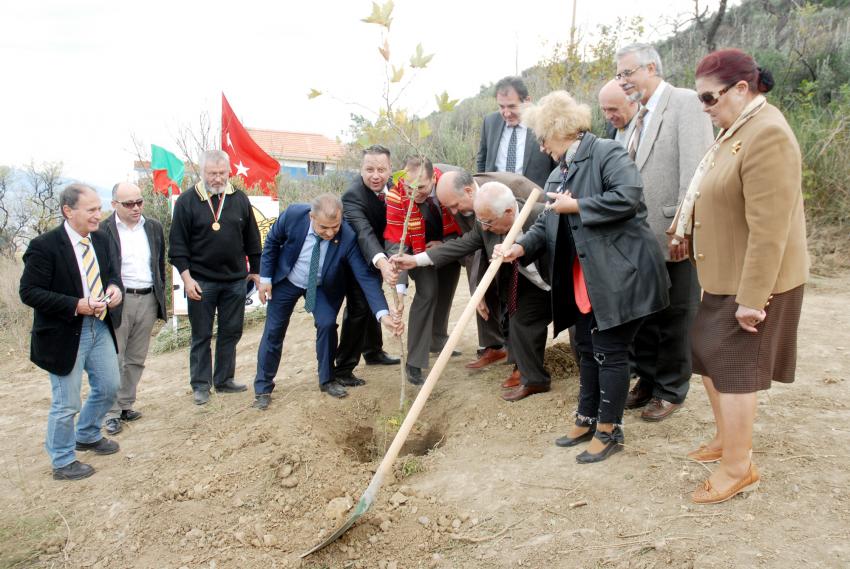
[[603, 369], [662, 348], [361, 331], [527, 332], [228, 300]]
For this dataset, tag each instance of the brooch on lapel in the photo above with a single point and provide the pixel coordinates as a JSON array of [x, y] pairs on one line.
[[336, 241], [736, 146]]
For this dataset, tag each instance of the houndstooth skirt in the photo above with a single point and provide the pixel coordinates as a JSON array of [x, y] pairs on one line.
[[743, 362]]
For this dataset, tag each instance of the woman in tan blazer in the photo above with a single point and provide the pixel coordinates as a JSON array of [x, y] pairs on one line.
[[743, 214]]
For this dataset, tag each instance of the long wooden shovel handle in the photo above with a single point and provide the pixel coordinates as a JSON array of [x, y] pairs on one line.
[[392, 453]]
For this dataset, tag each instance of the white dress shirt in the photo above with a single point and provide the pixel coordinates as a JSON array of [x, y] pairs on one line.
[[502, 153], [135, 255], [78, 253]]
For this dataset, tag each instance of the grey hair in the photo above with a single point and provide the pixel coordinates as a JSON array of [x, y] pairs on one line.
[[497, 197], [71, 195], [213, 157], [115, 191], [326, 204], [645, 53], [462, 179]]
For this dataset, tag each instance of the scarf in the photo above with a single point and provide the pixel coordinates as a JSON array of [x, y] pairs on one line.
[[683, 221], [398, 198]]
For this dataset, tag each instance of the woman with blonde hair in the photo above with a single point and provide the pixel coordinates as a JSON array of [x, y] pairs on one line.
[[743, 214], [607, 269]]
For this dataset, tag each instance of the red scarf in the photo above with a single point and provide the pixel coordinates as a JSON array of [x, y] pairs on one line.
[[398, 200]]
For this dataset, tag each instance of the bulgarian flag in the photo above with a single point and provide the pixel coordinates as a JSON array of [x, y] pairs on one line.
[[167, 171]]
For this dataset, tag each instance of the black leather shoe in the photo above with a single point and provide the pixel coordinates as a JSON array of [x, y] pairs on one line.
[[349, 380], [74, 471], [102, 446], [130, 415], [566, 441], [414, 375], [613, 444], [201, 396], [380, 359], [231, 387], [334, 389], [112, 426], [262, 401], [639, 395]]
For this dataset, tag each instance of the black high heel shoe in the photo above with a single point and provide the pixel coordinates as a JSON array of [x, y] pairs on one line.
[[566, 441], [613, 444]]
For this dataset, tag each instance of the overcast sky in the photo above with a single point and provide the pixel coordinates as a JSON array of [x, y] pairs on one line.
[[79, 77]]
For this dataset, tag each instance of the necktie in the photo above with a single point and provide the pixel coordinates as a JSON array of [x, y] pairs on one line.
[[92, 272], [513, 292], [313, 277], [510, 164], [634, 140], [380, 196]]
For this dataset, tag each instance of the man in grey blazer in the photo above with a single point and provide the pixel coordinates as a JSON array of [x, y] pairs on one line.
[[141, 243], [508, 146], [523, 289], [668, 140]]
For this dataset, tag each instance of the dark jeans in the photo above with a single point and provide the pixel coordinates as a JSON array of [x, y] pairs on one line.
[[603, 368], [361, 331], [662, 348], [228, 299]]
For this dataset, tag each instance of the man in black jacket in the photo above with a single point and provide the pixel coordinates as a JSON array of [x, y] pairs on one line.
[[212, 231], [141, 244], [71, 281], [364, 208]]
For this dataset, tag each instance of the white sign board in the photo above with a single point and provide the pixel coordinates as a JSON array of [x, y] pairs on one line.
[[265, 212]]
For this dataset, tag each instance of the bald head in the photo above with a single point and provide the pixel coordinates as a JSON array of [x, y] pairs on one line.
[[456, 190], [124, 194], [616, 107]]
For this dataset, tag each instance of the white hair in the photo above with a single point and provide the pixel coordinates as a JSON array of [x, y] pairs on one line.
[[213, 157], [496, 197], [645, 53]]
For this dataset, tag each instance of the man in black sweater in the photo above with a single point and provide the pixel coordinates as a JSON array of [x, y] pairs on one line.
[[212, 231]]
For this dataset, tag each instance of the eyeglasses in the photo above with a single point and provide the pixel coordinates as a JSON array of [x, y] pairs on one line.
[[131, 205], [627, 73], [485, 223], [709, 99]]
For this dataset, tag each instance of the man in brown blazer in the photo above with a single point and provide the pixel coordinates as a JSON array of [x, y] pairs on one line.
[[668, 140], [523, 290], [456, 191]]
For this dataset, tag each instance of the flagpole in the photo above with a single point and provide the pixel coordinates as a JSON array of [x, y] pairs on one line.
[[173, 311]]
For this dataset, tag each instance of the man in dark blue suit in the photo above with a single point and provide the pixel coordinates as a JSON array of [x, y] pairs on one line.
[[305, 254]]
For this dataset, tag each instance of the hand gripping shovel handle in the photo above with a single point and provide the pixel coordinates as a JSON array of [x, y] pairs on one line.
[[392, 453]]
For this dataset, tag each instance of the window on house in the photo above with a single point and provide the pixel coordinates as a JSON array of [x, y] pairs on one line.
[[316, 168]]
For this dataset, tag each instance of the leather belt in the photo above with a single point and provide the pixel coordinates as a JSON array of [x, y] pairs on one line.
[[139, 290]]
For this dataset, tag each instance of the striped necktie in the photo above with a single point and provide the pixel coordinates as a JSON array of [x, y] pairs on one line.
[[92, 272], [634, 140], [313, 277]]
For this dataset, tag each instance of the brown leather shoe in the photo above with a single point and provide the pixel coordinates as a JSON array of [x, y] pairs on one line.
[[707, 494], [639, 395], [489, 356], [512, 381], [659, 409], [524, 391]]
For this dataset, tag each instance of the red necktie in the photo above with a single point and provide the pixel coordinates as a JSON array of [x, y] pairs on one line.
[[513, 292]]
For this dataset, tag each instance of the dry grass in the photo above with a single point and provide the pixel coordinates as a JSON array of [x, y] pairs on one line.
[[829, 247], [15, 317]]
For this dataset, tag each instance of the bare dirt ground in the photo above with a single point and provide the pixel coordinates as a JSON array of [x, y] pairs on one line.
[[226, 486]]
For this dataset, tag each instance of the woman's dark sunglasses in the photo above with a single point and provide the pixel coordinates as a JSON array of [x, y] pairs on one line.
[[709, 99]]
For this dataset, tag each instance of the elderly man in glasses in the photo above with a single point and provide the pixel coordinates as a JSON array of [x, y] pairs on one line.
[[669, 138], [141, 243]]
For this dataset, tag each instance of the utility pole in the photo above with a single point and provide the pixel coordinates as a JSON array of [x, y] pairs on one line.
[[573, 29]]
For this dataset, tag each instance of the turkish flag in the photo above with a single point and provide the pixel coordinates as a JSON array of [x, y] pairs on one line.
[[247, 159]]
